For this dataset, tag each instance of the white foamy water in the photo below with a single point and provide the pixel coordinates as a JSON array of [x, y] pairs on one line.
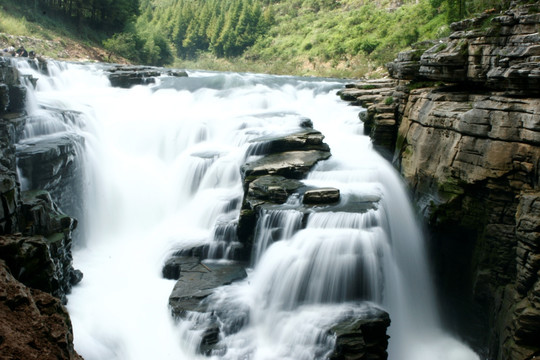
[[162, 174]]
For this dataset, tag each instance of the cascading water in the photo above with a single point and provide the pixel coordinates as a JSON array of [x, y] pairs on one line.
[[162, 174]]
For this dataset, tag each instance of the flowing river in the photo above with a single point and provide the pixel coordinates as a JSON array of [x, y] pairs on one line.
[[160, 172]]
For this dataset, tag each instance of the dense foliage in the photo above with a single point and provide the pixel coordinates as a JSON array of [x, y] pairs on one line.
[[315, 37], [108, 14]]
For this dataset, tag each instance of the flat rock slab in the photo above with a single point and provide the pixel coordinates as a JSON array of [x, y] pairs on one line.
[[197, 281], [291, 164], [321, 196], [308, 139], [273, 188]]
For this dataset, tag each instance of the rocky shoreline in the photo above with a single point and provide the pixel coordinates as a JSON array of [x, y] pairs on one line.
[[36, 271], [460, 119]]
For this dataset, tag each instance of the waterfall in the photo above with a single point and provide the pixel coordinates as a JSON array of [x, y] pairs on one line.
[[161, 175]]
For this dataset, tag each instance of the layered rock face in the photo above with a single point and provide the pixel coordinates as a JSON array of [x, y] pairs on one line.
[[36, 270], [467, 121]]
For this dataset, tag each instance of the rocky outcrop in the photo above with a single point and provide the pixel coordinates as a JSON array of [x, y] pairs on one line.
[[33, 323], [361, 338], [468, 144], [36, 270], [271, 179], [126, 76], [493, 51], [380, 116], [55, 163]]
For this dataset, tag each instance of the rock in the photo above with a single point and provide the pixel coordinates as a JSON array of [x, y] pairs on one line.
[[126, 76], [361, 338], [197, 281], [54, 163], [502, 56], [467, 145], [172, 268], [380, 99], [33, 324], [272, 179], [291, 164], [275, 189], [302, 140], [10, 197], [306, 123], [41, 263], [321, 196]]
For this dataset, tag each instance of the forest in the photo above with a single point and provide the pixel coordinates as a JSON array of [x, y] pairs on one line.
[[304, 37]]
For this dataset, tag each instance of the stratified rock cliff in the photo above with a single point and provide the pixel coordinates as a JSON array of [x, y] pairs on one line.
[[461, 117], [36, 269]]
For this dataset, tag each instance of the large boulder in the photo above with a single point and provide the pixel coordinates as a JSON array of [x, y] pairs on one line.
[[33, 323], [303, 140], [321, 196], [290, 164], [272, 188]]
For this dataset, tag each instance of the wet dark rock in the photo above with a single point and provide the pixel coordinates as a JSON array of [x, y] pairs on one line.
[[321, 196], [172, 268], [35, 248], [54, 163], [291, 164], [275, 189], [306, 123], [42, 258], [361, 338], [303, 140], [197, 281], [128, 76], [272, 179], [210, 338]]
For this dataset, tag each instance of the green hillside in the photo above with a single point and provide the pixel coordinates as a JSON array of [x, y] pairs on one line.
[[344, 38]]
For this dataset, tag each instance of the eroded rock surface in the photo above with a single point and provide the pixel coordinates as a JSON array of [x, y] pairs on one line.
[[36, 269], [467, 141], [33, 323]]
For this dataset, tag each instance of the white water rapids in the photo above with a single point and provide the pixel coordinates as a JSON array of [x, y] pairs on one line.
[[161, 166]]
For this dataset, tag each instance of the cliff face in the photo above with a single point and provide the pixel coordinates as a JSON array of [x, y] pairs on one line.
[[462, 119], [36, 269]]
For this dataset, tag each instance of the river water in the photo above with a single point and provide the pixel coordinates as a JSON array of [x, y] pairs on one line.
[[160, 173]]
